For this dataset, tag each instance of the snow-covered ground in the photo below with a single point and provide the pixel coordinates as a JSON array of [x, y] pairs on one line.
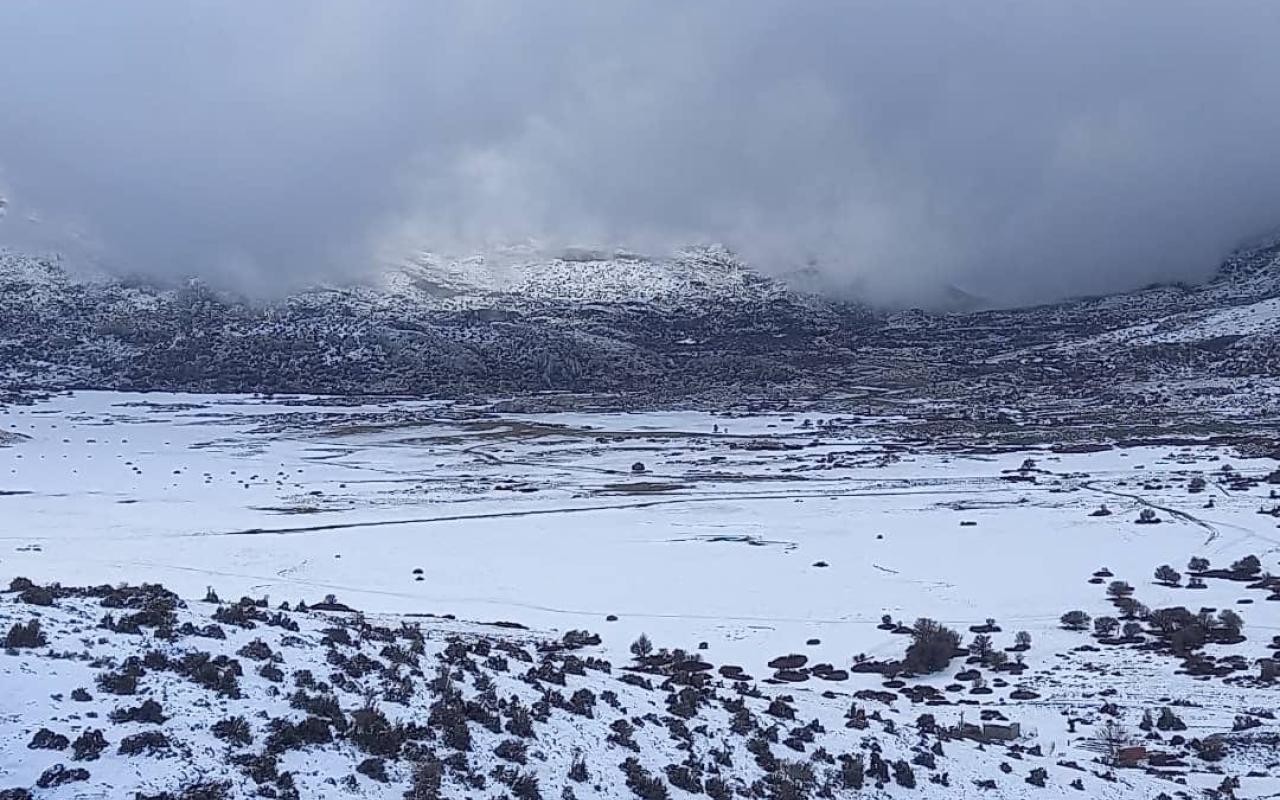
[[753, 537], [1243, 320]]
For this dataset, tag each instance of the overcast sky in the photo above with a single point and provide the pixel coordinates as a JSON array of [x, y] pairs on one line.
[[1024, 150]]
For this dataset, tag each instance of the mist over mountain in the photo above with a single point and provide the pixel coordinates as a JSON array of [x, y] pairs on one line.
[[1012, 151]]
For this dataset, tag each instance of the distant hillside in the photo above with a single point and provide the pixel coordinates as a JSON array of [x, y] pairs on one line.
[[693, 326]]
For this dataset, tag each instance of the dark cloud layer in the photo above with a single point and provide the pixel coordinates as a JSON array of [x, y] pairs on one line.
[[1023, 150]]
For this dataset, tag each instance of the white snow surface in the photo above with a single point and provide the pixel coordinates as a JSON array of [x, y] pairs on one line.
[[542, 520], [1262, 317]]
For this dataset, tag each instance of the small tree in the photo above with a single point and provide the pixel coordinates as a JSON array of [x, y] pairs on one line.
[[1170, 620], [1198, 564], [1187, 639], [1105, 626], [981, 646], [1131, 609], [1131, 630], [932, 646], [1022, 639], [1118, 589], [1168, 575], [1229, 622], [1249, 565], [1075, 620], [642, 647]]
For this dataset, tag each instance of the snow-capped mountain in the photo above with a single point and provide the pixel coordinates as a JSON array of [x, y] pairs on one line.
[[575, 278]]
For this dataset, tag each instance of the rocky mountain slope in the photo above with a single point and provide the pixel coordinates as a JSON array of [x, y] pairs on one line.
[[653, 330], [613, 324]]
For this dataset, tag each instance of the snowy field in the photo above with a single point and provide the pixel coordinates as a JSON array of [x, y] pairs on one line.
[[536, 520], [750, 537]]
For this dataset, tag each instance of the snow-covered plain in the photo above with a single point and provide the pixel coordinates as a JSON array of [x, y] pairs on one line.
[[753, 536], [534, 520]]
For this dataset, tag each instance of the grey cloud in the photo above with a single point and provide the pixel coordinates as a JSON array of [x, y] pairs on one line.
[[1020, 150]]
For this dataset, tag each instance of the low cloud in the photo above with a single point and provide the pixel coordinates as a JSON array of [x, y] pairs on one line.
[[1023, 151]]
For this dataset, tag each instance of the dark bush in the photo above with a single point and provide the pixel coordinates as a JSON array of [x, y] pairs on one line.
[[239, 614], [425, 783], [375, 768], [25, 635], [218, 674], [325, 706], [512, 750], [21, 584], [233, 730], [450, 717], [46, 739], [150, 712], [374, 734], [903, 775], [257, 650], [519, 720], [148, 742], [271, 672], [681, 777], [117, 683], [38, 596], [643, 784], [286, 735], [1169, 721], [260, 767], [88, 745], [58, 775]]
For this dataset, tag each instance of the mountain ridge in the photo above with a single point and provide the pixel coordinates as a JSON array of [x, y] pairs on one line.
[[695, 325]]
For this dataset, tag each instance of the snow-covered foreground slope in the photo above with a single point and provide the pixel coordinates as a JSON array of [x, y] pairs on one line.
[[737, 539], [323, 704]]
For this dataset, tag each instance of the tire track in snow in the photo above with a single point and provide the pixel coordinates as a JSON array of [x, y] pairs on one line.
[[536, 512], [1173, 512], [1214, 532]]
